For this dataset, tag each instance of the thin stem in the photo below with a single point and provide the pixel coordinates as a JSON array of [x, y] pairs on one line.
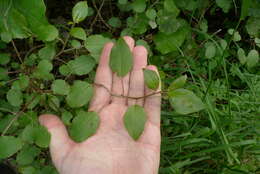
[[17, 52]]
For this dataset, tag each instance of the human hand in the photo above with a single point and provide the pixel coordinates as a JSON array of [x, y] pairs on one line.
[[111, 150]]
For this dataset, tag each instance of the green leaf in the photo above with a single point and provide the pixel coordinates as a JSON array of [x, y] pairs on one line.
[[121, 58], [78, 33], [80, 11], [28, 170], [9, 145], [210, 50], [15, 97], [42, 137], [185, 101], [257, 42], [236, 36], [75, 44], [66, 117], [134, 121], [178, 83], [253, 26], [241, 56], [151, 79], [94, 44], [224, 4], [60, 87], [3, 74], [43, 70], [24, 81], [4, 58], [167, 43], [80, 94], [151, 13], [34, 12], [27, 155], [114, 22], [53, 102], [48, 52], [82, 65], [6, 36], [252, 58], [27, 134], [139, 6], [245, 8], [170, 6], [84, 125]]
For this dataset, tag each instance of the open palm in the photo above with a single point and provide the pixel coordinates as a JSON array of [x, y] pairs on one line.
[[111, 150]]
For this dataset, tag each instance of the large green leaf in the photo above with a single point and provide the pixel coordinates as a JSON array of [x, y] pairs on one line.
[[139, 6], [80, 94], [134, 121], [185, 101], [167, 43], [26, 155], [170, 6], [82, 65], [42, 137], [121, 58], [94, 44], [9, 145], [48, 52], [34, 12], [80, 11], [151, 79], [84, 125], [4, 58]]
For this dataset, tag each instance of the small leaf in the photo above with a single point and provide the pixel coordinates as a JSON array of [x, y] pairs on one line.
[[170, 6], [224, 4], [121, 58], [185, 101], [48, 52], [178, 83], [43, 70], [4, 58], [60, 87], [210, 50], [114, 22], [9, 145], [94, 44], [139, 6], [252, 58], [134, 121], [241, 56], [15, 97], [42, 137], [75, 44], [151, 79], [84, 125], [80, 94], [257, 42], [66, 117], [80, 11], [27, 155], [78, 33], [236, 36], [151, 14]]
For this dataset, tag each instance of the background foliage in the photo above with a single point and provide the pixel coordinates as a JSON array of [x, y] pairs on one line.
[[49, 51]]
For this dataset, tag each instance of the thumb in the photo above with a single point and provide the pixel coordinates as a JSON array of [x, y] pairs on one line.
[[60, 141]]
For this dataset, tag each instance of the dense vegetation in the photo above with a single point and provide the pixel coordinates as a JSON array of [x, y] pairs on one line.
[[207, 52]]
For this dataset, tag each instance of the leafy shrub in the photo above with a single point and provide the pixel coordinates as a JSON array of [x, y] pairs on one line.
[[207, 52]]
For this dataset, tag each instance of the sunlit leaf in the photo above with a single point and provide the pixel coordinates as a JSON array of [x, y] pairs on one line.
[[252, 58], [178, 83], [78, 33], [60, 87]]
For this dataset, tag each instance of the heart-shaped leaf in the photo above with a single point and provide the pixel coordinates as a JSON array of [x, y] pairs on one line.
[[134, 120]]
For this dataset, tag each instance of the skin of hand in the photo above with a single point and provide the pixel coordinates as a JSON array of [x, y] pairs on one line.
[[111, 150]]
